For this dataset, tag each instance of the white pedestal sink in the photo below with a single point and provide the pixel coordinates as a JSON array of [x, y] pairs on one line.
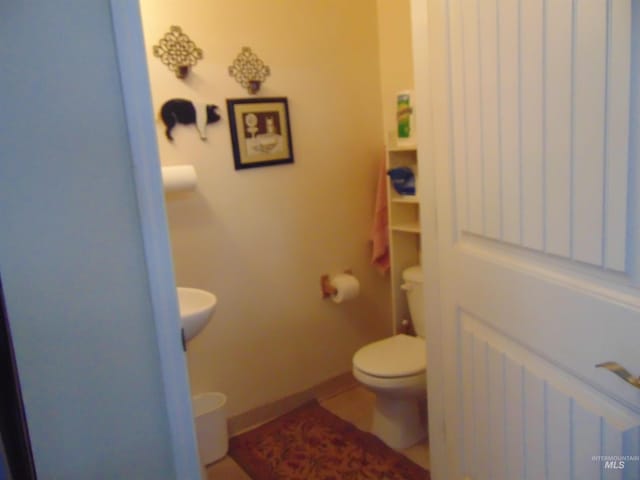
[[196, 308]]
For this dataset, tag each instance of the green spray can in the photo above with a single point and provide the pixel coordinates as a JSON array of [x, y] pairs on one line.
[[405, 116]]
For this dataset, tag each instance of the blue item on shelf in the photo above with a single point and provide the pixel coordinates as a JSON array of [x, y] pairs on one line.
[[403, 180]]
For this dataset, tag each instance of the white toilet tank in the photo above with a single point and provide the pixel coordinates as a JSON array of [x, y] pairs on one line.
[[413, 281]]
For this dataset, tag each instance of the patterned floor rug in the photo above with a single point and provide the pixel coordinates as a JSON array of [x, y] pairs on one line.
[[312, 443]]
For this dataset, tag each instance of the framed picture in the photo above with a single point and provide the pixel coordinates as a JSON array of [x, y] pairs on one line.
[[260, 131]]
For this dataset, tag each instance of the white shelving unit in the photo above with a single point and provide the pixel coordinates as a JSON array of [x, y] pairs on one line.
[[404, 230]]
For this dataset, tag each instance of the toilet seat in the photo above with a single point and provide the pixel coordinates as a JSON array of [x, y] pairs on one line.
[[397, 386], [392, 358]]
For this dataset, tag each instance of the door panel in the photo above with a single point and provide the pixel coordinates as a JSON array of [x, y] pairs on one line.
[[617, 139], [558, 84], [535, 245], [573, 322], [530, 96], [514, 427], [472, 117], [549, 172], [459, 120], [553, 423], [488, 34], [589, 60]]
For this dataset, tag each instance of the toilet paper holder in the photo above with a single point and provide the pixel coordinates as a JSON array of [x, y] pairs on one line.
[[329, 290]]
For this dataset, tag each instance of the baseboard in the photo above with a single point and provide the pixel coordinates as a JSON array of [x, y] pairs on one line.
[[264, 413]]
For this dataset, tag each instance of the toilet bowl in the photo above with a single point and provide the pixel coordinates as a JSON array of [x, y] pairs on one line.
[[395, 370]]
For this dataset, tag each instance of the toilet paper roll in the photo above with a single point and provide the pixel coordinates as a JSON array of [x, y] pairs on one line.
[[347, 287], [179, 178]]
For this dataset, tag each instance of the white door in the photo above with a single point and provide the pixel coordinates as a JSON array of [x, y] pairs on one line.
[[529, 163]]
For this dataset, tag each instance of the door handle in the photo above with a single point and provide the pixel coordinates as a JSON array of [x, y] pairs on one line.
[[620, 371]]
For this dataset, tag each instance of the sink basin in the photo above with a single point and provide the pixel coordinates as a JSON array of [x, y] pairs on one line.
[[196, 308]]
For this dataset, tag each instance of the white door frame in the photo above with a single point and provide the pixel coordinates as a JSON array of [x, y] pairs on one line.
[[422, 34], [127, 26], [132, 60]]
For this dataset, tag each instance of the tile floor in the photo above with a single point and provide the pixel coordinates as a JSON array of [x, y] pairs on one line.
[[354, 405]]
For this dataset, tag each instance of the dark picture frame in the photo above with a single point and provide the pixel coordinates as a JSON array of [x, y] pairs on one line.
[[260, 131]]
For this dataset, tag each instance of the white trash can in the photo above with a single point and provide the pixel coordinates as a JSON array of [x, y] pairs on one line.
[[209, 410]]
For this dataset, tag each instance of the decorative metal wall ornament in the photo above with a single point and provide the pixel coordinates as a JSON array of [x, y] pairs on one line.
[[177, 51], [249, 71]]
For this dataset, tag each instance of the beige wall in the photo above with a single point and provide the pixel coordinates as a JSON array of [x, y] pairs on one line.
[[396, 61], [260, 238]]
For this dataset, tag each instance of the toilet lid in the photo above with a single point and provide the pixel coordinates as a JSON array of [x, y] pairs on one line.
[[397, 356]]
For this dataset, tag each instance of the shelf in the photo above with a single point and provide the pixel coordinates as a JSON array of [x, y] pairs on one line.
[[402, 148], [404, 227], [406, 199], [413, 227]]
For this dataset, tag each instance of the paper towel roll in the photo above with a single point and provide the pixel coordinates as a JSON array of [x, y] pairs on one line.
[[179, 178], [347, 287]]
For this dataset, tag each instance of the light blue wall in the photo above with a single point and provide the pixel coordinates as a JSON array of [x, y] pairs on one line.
[[71, 253]]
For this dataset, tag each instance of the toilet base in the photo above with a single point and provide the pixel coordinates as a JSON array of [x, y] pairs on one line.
[[397, 421]]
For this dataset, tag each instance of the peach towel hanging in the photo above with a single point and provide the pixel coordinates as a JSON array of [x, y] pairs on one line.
[[380, 228]]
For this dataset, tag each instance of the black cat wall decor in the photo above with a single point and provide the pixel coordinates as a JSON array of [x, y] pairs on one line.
[[178, 110]]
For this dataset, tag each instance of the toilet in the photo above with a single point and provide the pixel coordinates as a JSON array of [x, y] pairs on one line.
[[395, 370]]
